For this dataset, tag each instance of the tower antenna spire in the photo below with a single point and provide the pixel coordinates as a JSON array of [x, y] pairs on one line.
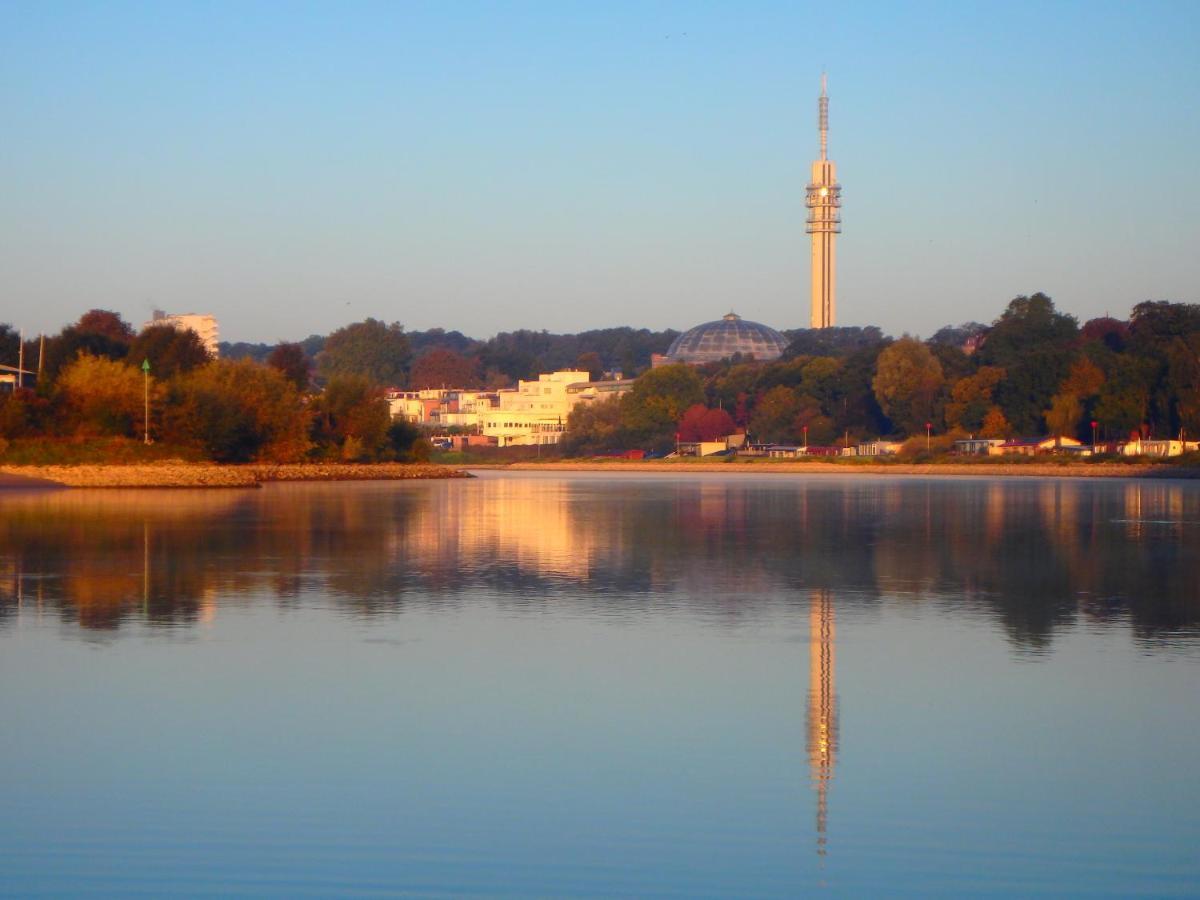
[[823, 116], [824, 203]]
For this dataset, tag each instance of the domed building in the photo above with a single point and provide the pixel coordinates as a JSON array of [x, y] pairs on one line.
[[714, 341]]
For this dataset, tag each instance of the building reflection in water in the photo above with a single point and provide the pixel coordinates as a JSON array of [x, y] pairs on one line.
[[821, 720]]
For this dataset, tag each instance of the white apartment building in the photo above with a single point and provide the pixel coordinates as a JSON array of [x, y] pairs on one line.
[[203, 324], [535, 412]]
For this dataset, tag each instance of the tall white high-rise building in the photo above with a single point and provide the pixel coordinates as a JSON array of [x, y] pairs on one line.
[[824, 223], [203, 324]]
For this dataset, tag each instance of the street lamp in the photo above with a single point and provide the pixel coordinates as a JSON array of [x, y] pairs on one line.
[[928, 432]]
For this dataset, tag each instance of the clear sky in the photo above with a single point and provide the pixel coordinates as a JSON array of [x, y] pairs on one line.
[[293, 167]]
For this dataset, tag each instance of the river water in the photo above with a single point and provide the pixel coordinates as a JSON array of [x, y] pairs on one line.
[[587, 685]]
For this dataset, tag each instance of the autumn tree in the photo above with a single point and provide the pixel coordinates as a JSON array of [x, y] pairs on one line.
[[1075, 398], [444, 368], [371, 349], [293, 363], [972, 397], [812, 422], [106, 323], [237, 411], [907, 380], [24, 413], [994, 424], [700, 423], [171, 350], [99, 396]]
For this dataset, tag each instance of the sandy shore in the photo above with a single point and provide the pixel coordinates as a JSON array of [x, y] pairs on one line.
[[978, 470], [199, 475]]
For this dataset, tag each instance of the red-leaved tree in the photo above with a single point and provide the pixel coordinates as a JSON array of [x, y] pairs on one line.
[[699, 423]]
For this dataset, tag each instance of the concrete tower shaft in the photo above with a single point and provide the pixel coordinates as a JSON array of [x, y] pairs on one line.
[[824, 223]]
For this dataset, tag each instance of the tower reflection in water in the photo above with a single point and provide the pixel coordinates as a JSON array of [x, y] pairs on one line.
[[821, 720]]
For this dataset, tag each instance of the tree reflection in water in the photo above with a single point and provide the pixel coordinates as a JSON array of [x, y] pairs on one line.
[[1036, 556]]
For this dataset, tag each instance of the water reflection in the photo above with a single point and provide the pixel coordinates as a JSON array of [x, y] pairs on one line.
[[577, 683], [821, 730], [1035, 556]]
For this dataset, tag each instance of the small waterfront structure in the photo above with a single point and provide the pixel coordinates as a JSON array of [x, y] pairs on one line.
[[12, 377], [730, 442], [878, 448], [1034, 446], [978, 446], [1161, 448]]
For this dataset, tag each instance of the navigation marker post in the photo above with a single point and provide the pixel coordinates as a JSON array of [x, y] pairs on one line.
[[146, 397]]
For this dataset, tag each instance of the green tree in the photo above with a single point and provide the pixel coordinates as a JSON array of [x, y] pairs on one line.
[[657, 402], [1124, 402], [293, 363], [171, 350], [1183, 375], [590, 362], [1034, 344], [351, 418], [907, 380], [774, 418], [237, 411], [594, 427], [370, 348]]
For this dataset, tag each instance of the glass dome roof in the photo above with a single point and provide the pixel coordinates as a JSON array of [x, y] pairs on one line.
[[732, 334]]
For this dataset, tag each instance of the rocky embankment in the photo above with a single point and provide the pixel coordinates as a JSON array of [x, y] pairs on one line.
[[203, 475]]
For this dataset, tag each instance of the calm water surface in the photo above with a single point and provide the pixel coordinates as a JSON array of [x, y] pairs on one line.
[[534, 684]]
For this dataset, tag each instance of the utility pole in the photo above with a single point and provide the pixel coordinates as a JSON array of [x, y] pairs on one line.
[[41, 355], [20, 359], [146, 397]]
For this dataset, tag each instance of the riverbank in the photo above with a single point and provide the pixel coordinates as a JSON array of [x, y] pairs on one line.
[[207, 475], [785, 467]]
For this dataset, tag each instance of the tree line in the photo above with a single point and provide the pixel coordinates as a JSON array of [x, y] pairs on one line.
[[90, 385], [1033, 371], [437, 358]]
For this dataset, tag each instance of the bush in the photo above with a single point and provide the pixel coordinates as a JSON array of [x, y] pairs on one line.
[[238, 412]]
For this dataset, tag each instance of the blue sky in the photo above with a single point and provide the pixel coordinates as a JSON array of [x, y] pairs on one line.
[[293, 167]]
